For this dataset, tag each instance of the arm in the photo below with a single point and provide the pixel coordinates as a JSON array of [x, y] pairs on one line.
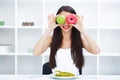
[[88, 43], [46, 39], [42, 44]]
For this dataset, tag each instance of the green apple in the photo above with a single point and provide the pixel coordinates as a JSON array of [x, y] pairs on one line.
[[60, 19]]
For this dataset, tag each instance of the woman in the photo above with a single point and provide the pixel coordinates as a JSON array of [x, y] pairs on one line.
[[66, 43]]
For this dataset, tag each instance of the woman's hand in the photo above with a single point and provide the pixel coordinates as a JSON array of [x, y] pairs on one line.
[[79, 23], [51, 22]]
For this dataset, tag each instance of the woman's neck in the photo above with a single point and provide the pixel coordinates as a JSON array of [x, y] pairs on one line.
[[66, 42], [66, 36]]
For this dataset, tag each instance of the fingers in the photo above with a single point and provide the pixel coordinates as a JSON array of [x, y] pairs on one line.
[[54, 18], [50, 16], [80, 17], [51, 21], [71, 24]]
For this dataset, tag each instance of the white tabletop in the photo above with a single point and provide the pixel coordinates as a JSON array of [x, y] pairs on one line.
[[48, 77]]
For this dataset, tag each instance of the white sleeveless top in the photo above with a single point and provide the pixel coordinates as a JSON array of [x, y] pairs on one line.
[[64, 62]]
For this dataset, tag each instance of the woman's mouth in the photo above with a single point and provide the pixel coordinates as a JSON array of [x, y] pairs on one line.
[[65, 27]]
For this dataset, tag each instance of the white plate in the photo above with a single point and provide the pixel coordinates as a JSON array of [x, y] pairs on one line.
[[55, 77]]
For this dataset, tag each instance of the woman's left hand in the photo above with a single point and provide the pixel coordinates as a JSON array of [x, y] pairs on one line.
[[79, 23]]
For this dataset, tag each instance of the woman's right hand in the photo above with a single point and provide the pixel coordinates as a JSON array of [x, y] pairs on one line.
[[51, 22]]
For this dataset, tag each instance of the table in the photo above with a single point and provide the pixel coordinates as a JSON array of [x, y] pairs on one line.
[[47, 77]]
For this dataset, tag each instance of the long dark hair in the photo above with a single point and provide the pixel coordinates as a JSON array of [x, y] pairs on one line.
[[76, 42]]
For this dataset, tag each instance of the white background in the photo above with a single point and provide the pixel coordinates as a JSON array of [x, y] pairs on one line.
[[101, 20]]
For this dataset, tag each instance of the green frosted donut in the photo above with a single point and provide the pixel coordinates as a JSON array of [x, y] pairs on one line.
[[60, 19]]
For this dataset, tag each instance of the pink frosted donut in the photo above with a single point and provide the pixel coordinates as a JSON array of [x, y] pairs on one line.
[[71, 19]]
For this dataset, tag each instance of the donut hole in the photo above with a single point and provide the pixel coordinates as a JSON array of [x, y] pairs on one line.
[[71, 18]]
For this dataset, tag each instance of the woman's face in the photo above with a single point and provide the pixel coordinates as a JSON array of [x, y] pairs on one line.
[[65, 27]]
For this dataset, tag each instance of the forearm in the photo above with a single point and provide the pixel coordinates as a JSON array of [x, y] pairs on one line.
[[91, 44], [42, 43]]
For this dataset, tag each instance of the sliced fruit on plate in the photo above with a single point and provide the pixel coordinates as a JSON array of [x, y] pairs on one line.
[[63, 74]]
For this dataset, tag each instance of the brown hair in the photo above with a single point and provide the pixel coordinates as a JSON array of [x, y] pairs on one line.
[[76, 43]]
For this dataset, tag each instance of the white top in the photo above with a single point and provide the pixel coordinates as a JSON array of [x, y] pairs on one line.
[[64, 62]]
